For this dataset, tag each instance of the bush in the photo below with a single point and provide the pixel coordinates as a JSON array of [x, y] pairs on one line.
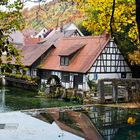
[[22, 77], [92, 85]]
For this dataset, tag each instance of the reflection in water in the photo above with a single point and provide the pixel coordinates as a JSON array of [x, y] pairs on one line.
[[76, 123], [3, 107], [19, 99], [2, 98], [109, 121], [29, 128]]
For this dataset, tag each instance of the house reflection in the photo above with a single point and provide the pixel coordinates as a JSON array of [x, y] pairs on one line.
[[109, 120], [75, 123]]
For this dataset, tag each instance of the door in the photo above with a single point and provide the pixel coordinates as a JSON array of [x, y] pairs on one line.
[[77, 80]]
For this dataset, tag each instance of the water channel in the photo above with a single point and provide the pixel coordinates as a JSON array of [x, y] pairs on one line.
[[111, 123], [12, 99]]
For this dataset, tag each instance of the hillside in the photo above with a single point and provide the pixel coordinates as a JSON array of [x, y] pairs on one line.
[[52, 14]]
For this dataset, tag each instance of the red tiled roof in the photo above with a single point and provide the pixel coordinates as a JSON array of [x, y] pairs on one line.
[[31, 41], [72, 49], [31, 53], [29, 32], [83, 61]]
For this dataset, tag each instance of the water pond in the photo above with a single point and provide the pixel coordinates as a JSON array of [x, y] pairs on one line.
[[111, 123], [12, 99]]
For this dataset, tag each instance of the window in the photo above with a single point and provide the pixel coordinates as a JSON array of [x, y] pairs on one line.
[[14, 71], [65, 77], [78, 78], [34, 73], [95, 76], [123, 75], [64, 61], [21, 71], [28, 72]]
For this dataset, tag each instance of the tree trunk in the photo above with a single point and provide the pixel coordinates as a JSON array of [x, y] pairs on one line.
[[138, 15]]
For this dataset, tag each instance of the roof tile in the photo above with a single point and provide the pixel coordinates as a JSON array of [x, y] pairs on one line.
[[83, 61]]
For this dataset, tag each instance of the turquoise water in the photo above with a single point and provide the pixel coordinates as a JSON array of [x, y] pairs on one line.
[[128, 133], [18, 99], [112, 123]]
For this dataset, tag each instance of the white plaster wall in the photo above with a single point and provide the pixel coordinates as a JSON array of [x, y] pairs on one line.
[[43, 81], [80, 87], [66, 85], [109, 75], [71, 79], [56, 73], [73, 27], [41, 33]]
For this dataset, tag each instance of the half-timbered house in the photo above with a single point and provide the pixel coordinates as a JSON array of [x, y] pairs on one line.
[[34, 50], [76, 60]]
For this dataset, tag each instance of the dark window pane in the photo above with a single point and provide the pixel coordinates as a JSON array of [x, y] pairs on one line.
[[64, 61], [123, 75], [65, 77], [79, 78]]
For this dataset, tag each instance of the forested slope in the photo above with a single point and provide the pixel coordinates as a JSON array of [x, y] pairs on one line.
[[52, 14]]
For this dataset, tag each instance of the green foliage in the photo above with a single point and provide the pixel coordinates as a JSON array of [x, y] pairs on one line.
[[43, 87], [10, 20], [124, 43], [92, 85], [22, 77]]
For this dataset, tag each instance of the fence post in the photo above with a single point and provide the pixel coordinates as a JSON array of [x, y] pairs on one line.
[[101, 91], [115, 91]]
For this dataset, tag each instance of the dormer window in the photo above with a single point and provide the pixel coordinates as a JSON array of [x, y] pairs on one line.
[[68, 54], [64, 60]]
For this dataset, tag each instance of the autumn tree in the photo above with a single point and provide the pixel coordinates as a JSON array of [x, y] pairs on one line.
[[10, 20], [116, 17], [135, 56]]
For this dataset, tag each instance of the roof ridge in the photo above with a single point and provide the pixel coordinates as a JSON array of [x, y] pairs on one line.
[[84, 37]]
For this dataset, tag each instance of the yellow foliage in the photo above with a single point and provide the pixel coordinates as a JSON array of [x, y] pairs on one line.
[[98, 13], [135, 57], [131, 120]]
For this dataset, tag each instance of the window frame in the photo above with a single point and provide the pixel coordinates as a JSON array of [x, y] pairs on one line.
[[64, 60], [65, 77]]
